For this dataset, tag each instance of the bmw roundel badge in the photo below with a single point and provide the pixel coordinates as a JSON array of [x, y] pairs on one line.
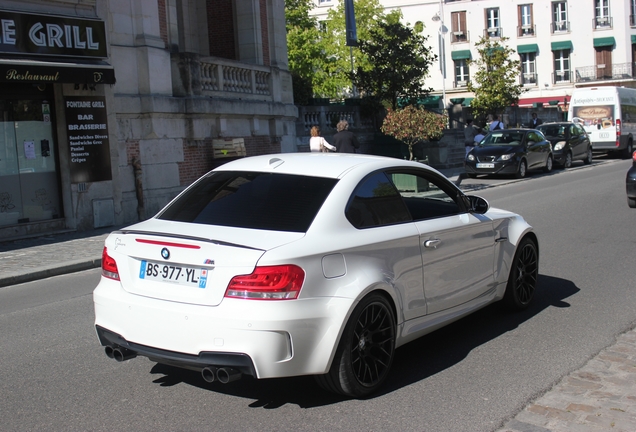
[[165, 253]]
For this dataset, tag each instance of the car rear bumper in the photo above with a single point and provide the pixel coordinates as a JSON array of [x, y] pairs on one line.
[[266, 339]]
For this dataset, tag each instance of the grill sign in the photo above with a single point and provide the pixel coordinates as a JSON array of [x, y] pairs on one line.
[[23, 33]]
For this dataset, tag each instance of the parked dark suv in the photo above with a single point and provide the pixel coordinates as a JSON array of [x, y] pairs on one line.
[[569, 141]]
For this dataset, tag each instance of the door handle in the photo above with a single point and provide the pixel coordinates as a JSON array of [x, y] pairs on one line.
[[432, 244]]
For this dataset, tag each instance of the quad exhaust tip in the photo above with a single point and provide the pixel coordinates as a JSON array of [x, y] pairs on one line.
[[223, 375], [119, 353]]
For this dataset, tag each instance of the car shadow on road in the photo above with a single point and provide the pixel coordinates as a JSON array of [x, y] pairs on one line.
[[413, 362]]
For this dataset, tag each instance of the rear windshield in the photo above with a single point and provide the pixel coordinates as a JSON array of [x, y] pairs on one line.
[[278, 202]]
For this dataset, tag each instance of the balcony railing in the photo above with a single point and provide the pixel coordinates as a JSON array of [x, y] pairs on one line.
[[460, 36], [529, 79], [526, 31], [562, 77], [617, 71], [602, 23], [493, 32], [227, 76], [560, 27], [460, 83]]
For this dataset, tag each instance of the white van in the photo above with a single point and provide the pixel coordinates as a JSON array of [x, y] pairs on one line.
[[608, 114]]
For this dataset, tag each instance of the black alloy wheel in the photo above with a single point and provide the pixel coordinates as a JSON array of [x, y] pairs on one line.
[[522, 281], [366, 350], [522, 170], [548, 164], [588, 158], [627, 153]]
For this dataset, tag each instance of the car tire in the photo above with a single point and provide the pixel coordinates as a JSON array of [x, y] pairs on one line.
[[568, 161], [366, 350], [627, 153], [631, 202], [522, 170], [522, 281], [588, 158], [548, 164]]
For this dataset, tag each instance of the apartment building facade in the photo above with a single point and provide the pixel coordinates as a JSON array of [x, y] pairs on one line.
[[109, 108], [561, 44]]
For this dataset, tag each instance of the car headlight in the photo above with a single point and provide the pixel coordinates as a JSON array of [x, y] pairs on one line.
[[506, 157], [559, 145], [470, 157]]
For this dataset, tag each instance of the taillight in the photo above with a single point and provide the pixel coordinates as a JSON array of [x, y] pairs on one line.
[[268, 283], [634, 157], [109, 266], [618, 132]]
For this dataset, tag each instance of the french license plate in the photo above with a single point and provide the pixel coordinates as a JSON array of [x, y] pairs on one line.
[[485, 165], [182, 275]]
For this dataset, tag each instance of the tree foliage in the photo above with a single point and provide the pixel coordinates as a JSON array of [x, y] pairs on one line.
[[304, 47], [412, 125], [332, 78], [496, 79], [398, 62]]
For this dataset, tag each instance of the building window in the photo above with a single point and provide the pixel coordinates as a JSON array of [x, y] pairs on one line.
[[526, 25], [602, 17], [493, 25], [560, 17], [528, 69], [458, 27], [561, 66], [632, 14], [461, 73]]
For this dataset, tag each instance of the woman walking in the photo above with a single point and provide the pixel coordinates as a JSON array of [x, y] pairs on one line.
[[318, 143]]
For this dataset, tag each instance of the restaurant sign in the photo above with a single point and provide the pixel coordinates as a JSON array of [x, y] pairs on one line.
[[87, 131], [33, 34]]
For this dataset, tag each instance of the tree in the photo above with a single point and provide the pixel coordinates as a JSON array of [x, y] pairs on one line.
[[399, 61], [497, 77], [304, 47], [332, 76], [412, 125]]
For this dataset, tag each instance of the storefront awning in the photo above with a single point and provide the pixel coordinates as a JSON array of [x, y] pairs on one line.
[[634, 39], [542, 101], [460, 55], [530, 48], [604, 41], [38, 72], [562, 45]]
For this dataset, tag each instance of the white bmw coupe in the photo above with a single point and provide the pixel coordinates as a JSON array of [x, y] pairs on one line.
[[307, 264]]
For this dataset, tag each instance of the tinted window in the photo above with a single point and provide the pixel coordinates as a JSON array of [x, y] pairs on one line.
[[426, 196], [278, 202], [376, 202]]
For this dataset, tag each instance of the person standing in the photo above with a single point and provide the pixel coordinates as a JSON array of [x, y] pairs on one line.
[[535, 121], [318, 143], [344, 140], [470, 132], [496, 124]]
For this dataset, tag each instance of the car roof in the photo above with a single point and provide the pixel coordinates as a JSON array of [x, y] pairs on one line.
[[332, 165]]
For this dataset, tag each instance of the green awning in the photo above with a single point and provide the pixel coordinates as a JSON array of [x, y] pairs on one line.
[[460, 55], [634, 39], [467, 102], [430, 101], [563, 45], [603, 42], [491, 51], [530, 48]]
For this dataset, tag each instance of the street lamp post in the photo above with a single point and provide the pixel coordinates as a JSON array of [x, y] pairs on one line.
[[439, 17]]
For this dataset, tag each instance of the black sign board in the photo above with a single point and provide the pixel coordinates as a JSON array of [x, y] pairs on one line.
[[33, 34], [87, 131], [40, 72]]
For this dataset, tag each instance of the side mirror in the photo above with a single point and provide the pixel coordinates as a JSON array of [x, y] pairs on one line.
[[477, 204]]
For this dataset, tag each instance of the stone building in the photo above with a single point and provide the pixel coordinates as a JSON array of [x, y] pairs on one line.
[[109, 108]]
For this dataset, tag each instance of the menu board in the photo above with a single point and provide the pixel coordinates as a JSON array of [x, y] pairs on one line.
[[87, 131]]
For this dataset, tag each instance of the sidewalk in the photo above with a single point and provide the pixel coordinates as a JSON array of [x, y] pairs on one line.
[[601, 396]]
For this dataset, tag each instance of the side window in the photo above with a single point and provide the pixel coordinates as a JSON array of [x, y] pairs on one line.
[[574, 131], [375, 203], [580, 129], [427, 196]]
